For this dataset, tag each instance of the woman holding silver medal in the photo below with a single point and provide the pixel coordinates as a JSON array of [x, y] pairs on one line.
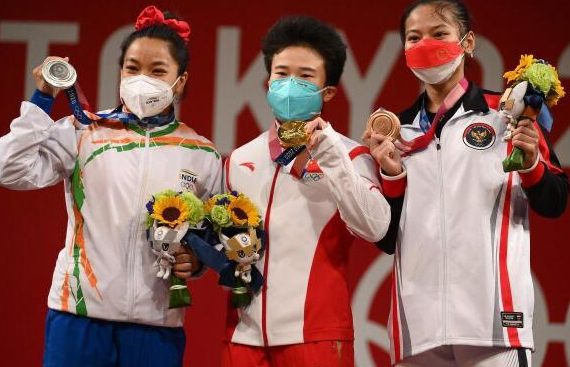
[[106, 305], [462, 292]]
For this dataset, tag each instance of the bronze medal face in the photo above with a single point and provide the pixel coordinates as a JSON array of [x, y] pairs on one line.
[[293, 133], [59, 74], [385, 123]]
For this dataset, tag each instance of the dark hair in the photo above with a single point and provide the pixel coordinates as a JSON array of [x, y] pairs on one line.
[[176, 45], [307, 32], [461, 14]]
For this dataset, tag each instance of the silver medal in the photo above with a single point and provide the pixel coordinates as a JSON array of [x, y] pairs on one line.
[[59, 74]]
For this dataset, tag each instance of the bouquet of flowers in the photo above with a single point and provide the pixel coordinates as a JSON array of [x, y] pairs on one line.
[[533, 84], [170, 215], [237, 222]]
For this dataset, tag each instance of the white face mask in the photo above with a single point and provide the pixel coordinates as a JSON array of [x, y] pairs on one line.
[[145, 96], [438, 74]]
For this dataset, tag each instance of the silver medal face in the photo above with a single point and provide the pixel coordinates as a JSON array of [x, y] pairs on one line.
[[59, 74]]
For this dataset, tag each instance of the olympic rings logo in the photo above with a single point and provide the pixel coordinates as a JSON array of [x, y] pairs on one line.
[[188, 186], [313, 176]]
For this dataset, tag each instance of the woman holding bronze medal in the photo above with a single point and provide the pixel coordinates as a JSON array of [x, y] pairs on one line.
[[462, 292], [106, 305]]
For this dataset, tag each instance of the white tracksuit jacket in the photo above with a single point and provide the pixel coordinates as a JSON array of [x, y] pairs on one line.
[[462, 246], [110, 172]]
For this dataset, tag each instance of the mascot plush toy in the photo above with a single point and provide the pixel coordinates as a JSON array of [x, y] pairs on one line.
[[243, 248], [533, 87]]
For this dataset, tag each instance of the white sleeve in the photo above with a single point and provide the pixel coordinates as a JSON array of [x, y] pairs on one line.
[[217, 182], [354, 186], [37, 152], [214, 184]]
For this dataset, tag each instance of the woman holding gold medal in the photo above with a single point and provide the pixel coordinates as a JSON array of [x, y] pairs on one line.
[[106, 305], [317, 189], [462, 292]]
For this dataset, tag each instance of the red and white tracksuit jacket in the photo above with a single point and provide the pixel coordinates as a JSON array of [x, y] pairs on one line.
[[462, 246], [310, 224]]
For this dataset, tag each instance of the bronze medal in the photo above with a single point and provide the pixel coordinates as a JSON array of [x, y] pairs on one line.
[[385, 123]]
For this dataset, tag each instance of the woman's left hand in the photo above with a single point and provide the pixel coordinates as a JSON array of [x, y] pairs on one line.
[[526, 138], [186, 263], [314, 129]]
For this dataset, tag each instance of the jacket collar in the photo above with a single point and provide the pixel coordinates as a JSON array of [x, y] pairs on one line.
[[473, 100]]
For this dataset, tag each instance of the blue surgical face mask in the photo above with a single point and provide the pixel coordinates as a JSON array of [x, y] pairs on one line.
[[293, 99]]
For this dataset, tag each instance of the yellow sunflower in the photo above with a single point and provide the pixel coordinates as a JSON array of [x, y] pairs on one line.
[[209, 204], [170, 210], [526, 61], [243, 212]]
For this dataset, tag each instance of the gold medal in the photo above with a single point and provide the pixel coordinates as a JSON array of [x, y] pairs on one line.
[[293, 133], [385, 123]]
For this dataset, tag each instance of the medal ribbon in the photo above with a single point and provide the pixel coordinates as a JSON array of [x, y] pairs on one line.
[[78, 104], [421, 142]]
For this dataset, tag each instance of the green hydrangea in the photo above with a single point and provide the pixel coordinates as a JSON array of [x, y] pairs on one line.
[[164, 193], [541, 77], [149, 221], [196, 213], [220, 216]]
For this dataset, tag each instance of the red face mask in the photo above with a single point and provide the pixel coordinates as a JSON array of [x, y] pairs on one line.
[[429, 53]]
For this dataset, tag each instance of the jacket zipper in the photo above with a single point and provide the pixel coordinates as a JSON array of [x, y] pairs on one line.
[[131, 285], [266, 259], [443, 238]]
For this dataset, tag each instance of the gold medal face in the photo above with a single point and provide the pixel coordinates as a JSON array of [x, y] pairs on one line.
[[385, 123], [293, 133]]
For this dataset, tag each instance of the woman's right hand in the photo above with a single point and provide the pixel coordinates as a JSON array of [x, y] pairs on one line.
[[41, 84], [384, 151]]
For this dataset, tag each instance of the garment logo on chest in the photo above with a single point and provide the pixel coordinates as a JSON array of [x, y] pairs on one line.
[[479, 136], [313, 172], [188, 180], [313, 176], [249, 165]]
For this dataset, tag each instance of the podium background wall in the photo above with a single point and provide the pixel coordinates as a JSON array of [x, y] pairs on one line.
[[226, 102]]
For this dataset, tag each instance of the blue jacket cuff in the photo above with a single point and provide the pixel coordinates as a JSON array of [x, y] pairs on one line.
[[42, 100]]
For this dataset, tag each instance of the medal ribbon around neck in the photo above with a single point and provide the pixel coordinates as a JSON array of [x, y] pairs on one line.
[[421, 142], [78, 105]]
